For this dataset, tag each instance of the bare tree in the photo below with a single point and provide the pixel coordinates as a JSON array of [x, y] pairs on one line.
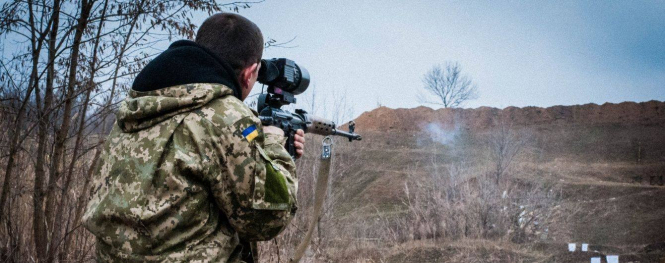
[[63, 65], [450, 87], [310, 99], [341, 109], [505, 143]]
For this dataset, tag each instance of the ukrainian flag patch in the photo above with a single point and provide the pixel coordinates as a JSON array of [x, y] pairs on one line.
[[250, 133]]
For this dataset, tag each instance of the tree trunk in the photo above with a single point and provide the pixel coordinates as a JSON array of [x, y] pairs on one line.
[[39, 220], [75, 157], [36, 44], [90, 85], [61, 136]]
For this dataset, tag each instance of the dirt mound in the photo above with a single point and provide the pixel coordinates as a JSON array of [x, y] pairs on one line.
[[651, 113]]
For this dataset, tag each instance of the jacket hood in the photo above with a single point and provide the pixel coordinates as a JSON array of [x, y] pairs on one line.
[[186, 62], [141, 110]]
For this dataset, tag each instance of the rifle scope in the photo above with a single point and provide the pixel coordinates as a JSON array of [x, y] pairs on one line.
[[283, 74]]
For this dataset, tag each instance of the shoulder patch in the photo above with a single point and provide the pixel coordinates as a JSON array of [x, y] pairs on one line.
[[250, 133]]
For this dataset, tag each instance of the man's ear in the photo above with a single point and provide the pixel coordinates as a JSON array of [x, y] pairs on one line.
[[246, 75]]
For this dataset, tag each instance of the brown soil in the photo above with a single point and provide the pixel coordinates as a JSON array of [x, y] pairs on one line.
[[625, 113]]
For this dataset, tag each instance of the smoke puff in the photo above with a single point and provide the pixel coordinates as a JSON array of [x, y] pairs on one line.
[[441, 135]]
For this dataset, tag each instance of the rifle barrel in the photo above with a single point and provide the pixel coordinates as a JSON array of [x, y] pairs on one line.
[[350, 136]]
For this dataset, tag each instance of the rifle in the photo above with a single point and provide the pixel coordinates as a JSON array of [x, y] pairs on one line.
[[285, 79]]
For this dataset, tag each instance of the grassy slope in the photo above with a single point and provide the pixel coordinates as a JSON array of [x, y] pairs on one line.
[[607, 200]]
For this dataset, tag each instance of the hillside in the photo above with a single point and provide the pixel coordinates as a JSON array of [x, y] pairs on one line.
[[651, 113], [419, 187]]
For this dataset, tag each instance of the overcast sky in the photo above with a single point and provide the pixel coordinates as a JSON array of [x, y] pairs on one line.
[[519, 53]]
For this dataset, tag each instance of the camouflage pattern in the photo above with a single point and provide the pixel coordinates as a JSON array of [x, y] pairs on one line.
[[178, 182]]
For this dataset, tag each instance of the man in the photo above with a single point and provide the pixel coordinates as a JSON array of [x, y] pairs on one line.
[[188, 173]]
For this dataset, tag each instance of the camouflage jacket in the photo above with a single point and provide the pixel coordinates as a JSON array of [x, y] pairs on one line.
[[186, 175]]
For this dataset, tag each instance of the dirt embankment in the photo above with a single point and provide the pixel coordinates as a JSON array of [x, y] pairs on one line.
[[651, 113]]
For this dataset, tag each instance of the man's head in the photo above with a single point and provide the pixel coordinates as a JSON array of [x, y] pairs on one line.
[[237, 41]]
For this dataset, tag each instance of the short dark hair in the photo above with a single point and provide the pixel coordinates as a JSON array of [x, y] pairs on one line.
[[233, 38]]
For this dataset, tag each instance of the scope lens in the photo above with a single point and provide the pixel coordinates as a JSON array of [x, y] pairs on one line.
[[302, 80], [284, 74]]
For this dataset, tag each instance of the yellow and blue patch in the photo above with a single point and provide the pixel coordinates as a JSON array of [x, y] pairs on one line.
[[250, 133]]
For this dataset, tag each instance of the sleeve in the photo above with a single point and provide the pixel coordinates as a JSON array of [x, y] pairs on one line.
[[256, 184]]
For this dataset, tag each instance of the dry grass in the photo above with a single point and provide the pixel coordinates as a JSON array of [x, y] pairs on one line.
[[404, 199]]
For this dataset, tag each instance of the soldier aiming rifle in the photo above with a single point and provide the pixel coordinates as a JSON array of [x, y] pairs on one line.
[[189, 173]]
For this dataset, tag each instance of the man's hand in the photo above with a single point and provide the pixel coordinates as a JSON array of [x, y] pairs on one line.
[[299, 143]]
